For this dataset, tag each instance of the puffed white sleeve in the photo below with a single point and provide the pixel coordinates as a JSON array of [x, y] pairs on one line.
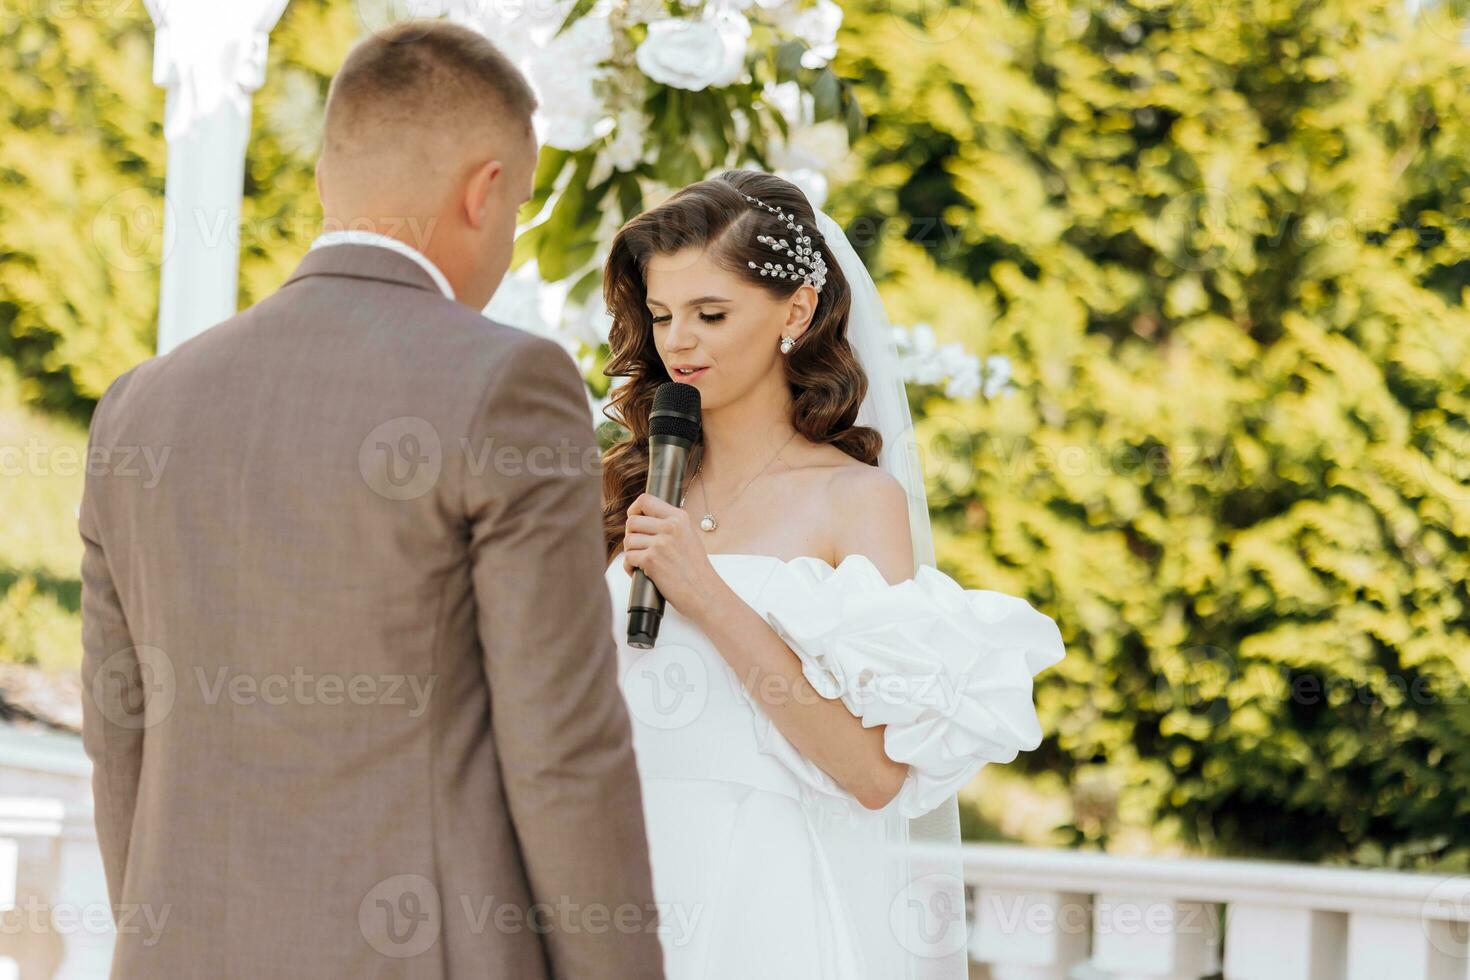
[[947, 670]]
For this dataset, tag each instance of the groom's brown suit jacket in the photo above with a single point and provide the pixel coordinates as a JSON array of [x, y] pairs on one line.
[[350, 678]]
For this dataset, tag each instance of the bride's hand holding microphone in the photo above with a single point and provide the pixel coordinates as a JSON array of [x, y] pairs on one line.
[[661, 539]]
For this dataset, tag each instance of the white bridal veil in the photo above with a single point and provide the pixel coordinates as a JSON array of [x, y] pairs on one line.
[[920, 927]]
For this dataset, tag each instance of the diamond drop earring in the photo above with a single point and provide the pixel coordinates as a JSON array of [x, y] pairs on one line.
[[786, 344]]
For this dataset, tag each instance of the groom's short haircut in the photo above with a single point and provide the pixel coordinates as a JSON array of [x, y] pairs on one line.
[[420, 73]]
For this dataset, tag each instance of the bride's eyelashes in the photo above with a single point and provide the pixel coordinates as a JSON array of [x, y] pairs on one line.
[[710, 318]]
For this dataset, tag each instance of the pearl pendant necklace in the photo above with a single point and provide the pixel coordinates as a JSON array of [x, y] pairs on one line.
[[708, 522]]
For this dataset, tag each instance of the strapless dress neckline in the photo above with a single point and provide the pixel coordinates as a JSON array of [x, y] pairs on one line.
[[783, 561]]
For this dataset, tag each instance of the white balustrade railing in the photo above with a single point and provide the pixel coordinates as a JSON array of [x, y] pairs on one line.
[[29, 826], [1038, 914], [1041, 914], [55, 921]]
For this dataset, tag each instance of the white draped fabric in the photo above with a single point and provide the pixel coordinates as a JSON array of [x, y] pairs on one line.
[[210, 56], [768, 866]]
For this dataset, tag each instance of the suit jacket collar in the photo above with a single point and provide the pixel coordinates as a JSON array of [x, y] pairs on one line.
[[364, 262]]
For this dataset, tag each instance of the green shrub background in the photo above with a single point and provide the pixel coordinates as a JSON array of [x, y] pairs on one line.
[[1224, 247]]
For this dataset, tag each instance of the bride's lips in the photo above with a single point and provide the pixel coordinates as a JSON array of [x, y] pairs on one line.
[[680, 376]]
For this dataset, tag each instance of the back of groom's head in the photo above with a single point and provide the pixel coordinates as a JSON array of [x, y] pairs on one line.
[[429, 138], [423, 77]]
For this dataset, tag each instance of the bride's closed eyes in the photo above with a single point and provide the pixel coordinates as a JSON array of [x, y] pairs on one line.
[[707, 318]]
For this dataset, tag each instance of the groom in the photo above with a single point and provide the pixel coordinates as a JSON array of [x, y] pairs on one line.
[[351, 693]]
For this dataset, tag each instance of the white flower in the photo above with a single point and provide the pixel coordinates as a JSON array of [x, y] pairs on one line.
[[962, 370], [514, 25], [813, 183], [585, 323], [919, 340], [524, 301], [821, 147], [564, 74], [922, 361], [563, 71], [741, 120], [997, 376], [774, 9], [735, 28], [796, 106], [817, 26], [586, 45], [564, 130], [598, 321], [602, 168], [695, 54], [628, 146], [296, 115]]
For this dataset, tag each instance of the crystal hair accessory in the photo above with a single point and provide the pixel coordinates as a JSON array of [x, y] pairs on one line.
[[813, 267]]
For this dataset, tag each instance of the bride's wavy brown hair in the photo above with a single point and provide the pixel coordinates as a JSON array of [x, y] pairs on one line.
[[826, 381]]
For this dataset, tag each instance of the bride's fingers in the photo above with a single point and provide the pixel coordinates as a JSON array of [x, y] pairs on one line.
[[633, 557], [637, 541], [645, 524], [658, 507], [647, 503]]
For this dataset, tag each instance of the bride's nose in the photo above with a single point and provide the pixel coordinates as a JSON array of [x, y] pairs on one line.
[[680, 336]]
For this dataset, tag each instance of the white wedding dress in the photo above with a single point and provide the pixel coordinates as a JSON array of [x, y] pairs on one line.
[[743, 831]]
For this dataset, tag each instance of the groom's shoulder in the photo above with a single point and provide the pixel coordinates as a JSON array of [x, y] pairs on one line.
[[447, 341], [476, 329], [500, 345], [114, 393]]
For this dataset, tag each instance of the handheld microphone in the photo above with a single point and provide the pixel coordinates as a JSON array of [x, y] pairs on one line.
[[673, 427]]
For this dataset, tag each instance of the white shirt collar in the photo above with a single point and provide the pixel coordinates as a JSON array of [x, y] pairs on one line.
[[355, 237]]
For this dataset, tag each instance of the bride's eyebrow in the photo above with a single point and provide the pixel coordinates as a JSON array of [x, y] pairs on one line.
[[698, 301]]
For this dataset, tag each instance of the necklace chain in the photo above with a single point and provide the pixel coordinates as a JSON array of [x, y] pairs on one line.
[[708, 522]]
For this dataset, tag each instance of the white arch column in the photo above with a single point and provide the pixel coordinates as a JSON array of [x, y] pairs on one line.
[[211, 58]]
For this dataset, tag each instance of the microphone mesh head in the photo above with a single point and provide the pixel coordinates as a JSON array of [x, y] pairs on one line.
[[675, 411]]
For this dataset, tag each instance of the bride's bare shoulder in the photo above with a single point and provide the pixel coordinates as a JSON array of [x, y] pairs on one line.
[[843, 506], [843, 469], [868, 490], [870, 514], [835, 474]]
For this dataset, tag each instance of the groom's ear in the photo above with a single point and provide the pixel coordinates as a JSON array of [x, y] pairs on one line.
[[477, 192]]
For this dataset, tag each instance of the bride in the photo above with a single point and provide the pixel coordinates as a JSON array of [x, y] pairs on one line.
[[819, 691]]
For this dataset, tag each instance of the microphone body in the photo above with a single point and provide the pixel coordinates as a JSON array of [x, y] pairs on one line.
[[673, 428], [667, 458]]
